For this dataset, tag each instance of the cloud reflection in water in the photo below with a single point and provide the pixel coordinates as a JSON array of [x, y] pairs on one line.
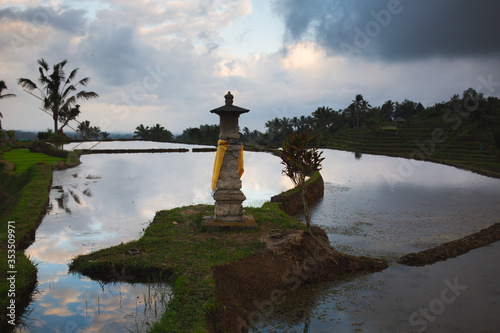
[[110, 199]]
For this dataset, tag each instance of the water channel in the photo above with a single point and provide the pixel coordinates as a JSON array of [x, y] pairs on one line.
[[374, 205]]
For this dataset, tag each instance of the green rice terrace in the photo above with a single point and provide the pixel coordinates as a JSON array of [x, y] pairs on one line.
[[461, 142], [23, 159]]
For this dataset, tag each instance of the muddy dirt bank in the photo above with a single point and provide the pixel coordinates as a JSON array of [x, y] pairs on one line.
[[291, 202], [454, 248], [133, 151], [249, 289]]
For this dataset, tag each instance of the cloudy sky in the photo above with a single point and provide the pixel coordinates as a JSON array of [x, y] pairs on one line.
[[171, 62]]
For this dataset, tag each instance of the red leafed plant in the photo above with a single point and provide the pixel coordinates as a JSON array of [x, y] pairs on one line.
[[301, 160]]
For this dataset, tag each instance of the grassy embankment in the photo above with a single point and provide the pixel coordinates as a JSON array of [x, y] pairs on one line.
[[175, 247], [24, 191], [454, 140]]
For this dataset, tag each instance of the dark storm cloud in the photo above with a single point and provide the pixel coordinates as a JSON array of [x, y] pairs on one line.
[[70, 20], [396, 30]]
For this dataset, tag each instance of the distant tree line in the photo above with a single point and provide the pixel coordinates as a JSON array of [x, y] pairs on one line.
[[205, 134], [155, 133], [88, 132], [7, 137], [324, 121], [60, 92], [85, 131]]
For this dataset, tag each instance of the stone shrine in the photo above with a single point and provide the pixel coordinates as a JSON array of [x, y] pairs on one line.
[[228, 168]]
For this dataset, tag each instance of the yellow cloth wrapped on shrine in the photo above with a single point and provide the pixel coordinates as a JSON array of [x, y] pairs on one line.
[[240, 162], [219, 156]]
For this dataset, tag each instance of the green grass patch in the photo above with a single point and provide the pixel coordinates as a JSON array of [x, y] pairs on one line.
[[23, 200], [176, 245], [25, 284], [23, 159], [294, 190]]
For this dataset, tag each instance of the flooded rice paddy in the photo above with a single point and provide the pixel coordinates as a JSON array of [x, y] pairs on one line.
[[378, 206], [373, 205], [109, 199]]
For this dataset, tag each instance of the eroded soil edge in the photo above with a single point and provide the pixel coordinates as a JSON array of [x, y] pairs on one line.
[[248, 289], [454, 248]]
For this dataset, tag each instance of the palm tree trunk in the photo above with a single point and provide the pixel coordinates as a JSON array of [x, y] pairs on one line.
[[56, 129]]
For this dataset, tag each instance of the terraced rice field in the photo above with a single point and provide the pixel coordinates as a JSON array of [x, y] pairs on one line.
[[463, 144], [23, 159]]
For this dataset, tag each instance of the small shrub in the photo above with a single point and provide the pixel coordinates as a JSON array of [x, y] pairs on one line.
[[44, 135]]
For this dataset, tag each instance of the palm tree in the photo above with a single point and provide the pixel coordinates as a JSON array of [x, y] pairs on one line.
[[83, 128], [57, 93], [356, 107], [158, 133], [304, 123], [273, 125], [365, 107], [387, 110], [3, 86], [157, 128], [295, 122], [323, 117], [349, 113], [67, 117], [11, 134], [360, 106], [95, 132], [141, 132]]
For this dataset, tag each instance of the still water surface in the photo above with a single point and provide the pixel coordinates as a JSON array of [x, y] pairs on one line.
[[110, 199], [366, 211], [125, 145]]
